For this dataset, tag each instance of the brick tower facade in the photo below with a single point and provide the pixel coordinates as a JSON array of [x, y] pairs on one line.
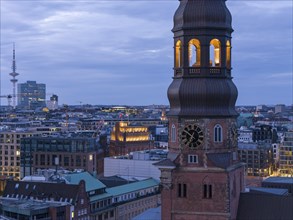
[[202, 177]]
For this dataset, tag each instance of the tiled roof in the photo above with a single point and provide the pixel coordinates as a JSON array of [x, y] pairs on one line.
[[41, 190], [164, 163]]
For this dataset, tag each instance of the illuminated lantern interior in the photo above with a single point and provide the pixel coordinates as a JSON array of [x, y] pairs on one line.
[[215, 53], [194, 52], [178, 55]]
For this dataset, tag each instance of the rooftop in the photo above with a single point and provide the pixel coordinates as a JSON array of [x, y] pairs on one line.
[[91, 183], [274, 191], [131, 187], [288, 180]]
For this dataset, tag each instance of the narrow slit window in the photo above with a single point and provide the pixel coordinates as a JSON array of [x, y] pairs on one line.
[[173, 133]]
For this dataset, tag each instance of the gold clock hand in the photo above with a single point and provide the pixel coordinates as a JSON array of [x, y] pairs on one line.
[[187, 132]]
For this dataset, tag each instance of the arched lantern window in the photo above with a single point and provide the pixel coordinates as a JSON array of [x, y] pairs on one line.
[[228, 54], [194, 52], [178, 54], [215, 53]]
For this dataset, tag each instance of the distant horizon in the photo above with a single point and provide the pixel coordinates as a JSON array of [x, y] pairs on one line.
[[166, 105]]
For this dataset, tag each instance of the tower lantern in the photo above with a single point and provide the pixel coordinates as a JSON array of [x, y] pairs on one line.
[[202, 177]]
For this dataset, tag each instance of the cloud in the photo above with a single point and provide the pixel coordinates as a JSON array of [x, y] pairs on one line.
[[122, 51]]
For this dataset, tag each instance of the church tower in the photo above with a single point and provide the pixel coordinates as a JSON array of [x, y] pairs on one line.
[[202, 177]]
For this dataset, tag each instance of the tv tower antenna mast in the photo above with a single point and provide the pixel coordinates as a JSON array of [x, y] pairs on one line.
[[14, 74]]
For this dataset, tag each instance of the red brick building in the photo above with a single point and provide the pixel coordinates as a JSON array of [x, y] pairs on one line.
[[202, 177]]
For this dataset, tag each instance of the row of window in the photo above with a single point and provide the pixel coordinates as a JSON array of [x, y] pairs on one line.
[[76, 160], [194, 53], [218, 136], [182, 191]]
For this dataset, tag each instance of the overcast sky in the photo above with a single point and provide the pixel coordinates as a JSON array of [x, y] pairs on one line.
[[121, 52]]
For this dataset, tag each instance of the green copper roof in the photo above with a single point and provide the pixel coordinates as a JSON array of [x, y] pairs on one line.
[[118, 190], [100, 197], [91, 183]]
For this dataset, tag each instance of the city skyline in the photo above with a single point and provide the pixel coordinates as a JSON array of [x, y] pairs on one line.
[[119, 52]]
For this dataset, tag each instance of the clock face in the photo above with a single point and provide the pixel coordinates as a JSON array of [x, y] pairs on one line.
[[192, 136]]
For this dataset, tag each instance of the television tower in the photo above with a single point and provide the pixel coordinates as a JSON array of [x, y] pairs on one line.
[[14, 74]]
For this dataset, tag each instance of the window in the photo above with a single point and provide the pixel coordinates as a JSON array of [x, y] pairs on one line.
[[173, 133], [207, 191], [182, 188], [194, 53], [178, 54], [218, 133], [192, 158], [228, 54], [215, 53]]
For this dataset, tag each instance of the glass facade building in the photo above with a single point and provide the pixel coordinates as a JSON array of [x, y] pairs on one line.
[[69, 153], [31, 95]]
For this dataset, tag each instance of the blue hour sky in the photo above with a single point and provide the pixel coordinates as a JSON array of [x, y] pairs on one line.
[[121, 52]]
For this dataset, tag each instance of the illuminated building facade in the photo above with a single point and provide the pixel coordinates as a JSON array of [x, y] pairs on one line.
[[72, 153], [31, 95], [258, 158], [202, 177], [126, 138], [10, 152], [286, 155]]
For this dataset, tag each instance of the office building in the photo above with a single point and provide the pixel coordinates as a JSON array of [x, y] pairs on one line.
[[31, 95], [82, 153], [258, 158], [286, 155]]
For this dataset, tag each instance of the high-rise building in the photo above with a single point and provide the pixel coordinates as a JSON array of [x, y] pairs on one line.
[[31, 95], [202, 177], [52, 104]]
